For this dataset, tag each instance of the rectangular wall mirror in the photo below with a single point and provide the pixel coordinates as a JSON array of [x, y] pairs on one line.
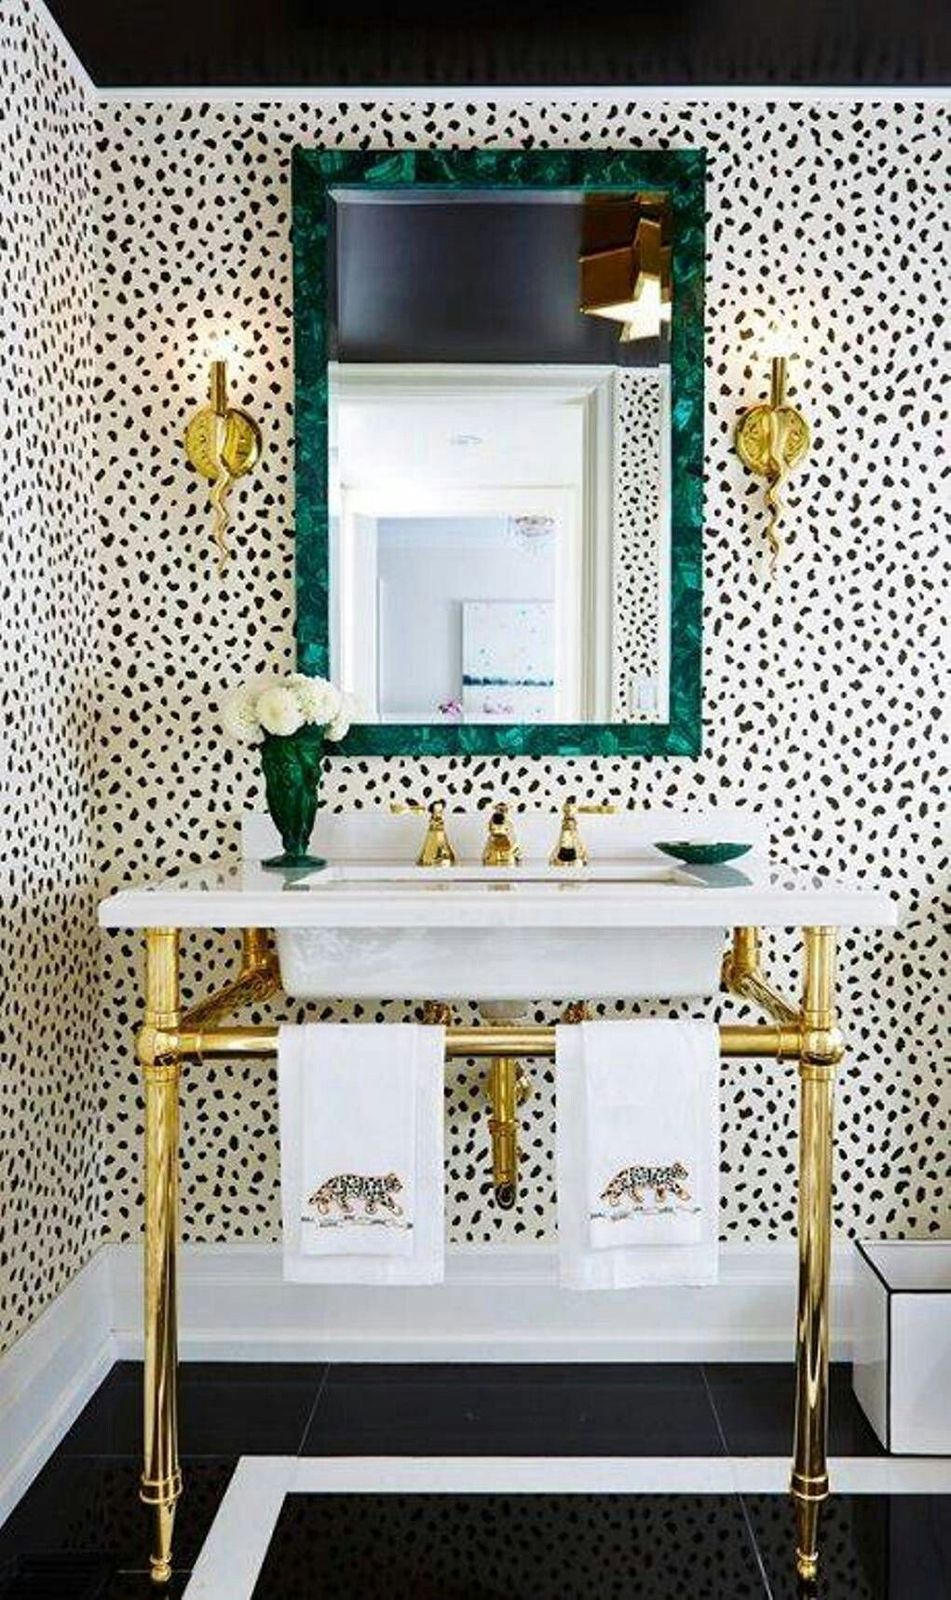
[[499, 446]]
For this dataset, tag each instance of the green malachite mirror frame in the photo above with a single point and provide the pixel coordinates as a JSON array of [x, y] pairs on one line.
[[678, 172]]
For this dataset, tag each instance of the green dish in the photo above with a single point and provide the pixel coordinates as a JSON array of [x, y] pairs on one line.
[[704, 855]]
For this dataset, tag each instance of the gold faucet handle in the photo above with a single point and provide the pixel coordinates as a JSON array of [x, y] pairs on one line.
[[569, 851], [501, 845], [436, 850]]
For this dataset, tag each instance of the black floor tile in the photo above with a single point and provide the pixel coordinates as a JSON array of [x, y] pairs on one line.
[[225, 1409], [515, 1372], [482, 1547], [90, 1506], [528, 1410], [139, 1586], [872, 1547], [755, 1403], [53, 1577]]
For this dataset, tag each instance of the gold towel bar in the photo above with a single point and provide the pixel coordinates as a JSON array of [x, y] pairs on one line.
[[736, 1039]]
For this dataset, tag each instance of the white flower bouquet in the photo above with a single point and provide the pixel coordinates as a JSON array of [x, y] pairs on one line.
[[289, 718], [280, 707]]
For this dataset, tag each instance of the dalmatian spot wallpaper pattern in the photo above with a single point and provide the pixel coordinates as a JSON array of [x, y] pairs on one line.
[[639, 419], [49, 1067], [824, 695]]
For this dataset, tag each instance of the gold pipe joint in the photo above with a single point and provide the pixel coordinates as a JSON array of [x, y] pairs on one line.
[[742, 974], [743, 958], [160, 1491], [259, 977], [822, 1050], [806, 1487], [157, 1051]]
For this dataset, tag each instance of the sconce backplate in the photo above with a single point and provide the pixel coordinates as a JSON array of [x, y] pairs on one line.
[[213, 442], [771, 440]]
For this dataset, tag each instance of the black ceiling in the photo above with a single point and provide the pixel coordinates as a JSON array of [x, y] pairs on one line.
[[195, 43]]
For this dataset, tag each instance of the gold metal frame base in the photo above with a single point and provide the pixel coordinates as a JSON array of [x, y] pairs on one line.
[[807, 1034]]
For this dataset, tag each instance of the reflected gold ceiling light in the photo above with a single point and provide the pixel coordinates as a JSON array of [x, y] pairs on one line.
[[626, 264]]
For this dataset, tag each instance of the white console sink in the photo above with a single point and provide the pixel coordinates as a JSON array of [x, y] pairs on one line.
[[491, 933], [631, 923]]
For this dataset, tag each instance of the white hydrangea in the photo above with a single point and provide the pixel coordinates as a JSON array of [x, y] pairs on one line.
[[348, 713], [280, 706], [319, 701], [279, 710], [239, 716]]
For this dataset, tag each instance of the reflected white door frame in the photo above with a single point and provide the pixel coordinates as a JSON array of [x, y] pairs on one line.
[[586, 576]]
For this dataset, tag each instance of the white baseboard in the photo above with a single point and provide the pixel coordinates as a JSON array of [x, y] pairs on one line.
[[499, 1303], [49, 1374]]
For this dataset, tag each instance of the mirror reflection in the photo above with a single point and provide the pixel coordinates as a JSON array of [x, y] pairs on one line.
[[498, 449]]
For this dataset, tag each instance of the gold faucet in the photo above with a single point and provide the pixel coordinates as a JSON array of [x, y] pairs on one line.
[[436, 851], [570, 850], [501, 846]]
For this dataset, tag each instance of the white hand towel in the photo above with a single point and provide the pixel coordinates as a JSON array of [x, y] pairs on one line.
[[361, 1127], [638, 1153]]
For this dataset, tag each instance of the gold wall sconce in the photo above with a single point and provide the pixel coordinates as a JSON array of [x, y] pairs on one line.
[[626, 263], [222, 443], [771, 438]]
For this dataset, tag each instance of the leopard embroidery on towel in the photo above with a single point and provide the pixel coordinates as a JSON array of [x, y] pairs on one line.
[[338, 1192], [630, 1183]]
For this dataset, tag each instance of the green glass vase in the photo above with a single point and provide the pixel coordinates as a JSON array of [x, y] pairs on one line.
[[292, 767]]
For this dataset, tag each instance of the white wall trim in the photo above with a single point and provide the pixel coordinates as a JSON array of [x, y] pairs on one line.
[[499, 1303], [47, 1376]]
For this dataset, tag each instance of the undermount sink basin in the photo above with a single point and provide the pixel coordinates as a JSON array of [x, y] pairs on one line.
[[468, 872], [377, 925]]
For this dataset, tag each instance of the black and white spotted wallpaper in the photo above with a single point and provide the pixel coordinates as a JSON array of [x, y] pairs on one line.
[[641, 535], [132, 247], [824, 699], [49, 1066]]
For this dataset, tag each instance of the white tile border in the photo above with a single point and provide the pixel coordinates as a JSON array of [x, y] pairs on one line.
[[500, 1303], [234, 1551], [236, 1545]]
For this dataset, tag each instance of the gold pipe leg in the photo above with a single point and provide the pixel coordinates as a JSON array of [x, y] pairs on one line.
[[504, 1130], [821, 1051], [161, 1475], [507, 1088]]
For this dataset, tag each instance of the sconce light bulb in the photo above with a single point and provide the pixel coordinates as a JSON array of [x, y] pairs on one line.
[[779, 341], [223, 347]]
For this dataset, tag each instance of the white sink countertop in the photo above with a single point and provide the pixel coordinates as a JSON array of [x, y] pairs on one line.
[[371, 882]]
